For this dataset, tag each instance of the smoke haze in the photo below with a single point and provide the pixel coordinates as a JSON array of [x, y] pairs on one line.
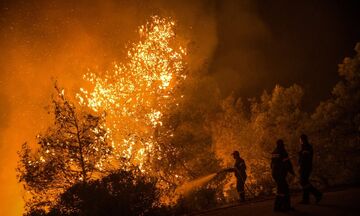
[[46, 40], [242, 45]]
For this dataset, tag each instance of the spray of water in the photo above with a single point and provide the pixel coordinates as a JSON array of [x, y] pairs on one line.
[[186, 188]]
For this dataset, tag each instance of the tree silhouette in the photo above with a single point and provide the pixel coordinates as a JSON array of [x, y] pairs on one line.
[[336, 124], [72, 150], [119, 193]]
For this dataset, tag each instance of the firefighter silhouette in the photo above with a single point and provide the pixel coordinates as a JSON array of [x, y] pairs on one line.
[[281, 166], [239, 170], [305, 165]]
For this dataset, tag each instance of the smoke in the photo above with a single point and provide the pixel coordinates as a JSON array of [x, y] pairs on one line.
[[230, 43], [46, 40], [264, 43], [238, 61]]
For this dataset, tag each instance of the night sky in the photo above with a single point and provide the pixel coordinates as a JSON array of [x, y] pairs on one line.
[[246, 46], [287, 42]]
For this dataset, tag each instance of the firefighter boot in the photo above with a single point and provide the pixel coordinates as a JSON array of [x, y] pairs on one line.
[[278, 203], [318, 196], [306, 195], [287, 204], [242, 197]]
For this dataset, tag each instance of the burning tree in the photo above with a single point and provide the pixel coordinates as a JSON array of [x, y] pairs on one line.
[[73, 150], [136, 94], [140, 97], [151, 122]]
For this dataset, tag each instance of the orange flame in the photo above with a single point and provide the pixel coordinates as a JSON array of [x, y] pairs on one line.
[[134, 95]]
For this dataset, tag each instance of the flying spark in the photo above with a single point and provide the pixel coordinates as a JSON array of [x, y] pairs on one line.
[[135, 94]]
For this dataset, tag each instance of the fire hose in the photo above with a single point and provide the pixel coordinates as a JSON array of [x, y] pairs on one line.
[[247, 187], [242, 179]]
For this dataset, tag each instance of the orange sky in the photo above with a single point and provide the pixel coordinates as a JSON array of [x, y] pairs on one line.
[[46, 40]]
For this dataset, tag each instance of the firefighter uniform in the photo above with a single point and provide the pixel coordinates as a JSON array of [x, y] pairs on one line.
[[305, 163], [239, 170], [241, 176], [281, 166]]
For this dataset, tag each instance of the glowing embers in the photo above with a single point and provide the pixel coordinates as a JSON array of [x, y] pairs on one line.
[[135, 94]]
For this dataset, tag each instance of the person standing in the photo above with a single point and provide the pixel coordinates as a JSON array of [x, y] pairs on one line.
[[281, 166], [239, 170], [305, 165], [240, 174]]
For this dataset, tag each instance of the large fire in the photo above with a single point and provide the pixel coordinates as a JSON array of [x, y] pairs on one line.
[[134, 95]]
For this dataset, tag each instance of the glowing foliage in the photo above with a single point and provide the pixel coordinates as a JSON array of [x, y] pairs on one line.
[[135, 94], [71, 151]]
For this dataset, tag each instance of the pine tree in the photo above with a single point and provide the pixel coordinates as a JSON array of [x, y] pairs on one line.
[[73, 150]]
